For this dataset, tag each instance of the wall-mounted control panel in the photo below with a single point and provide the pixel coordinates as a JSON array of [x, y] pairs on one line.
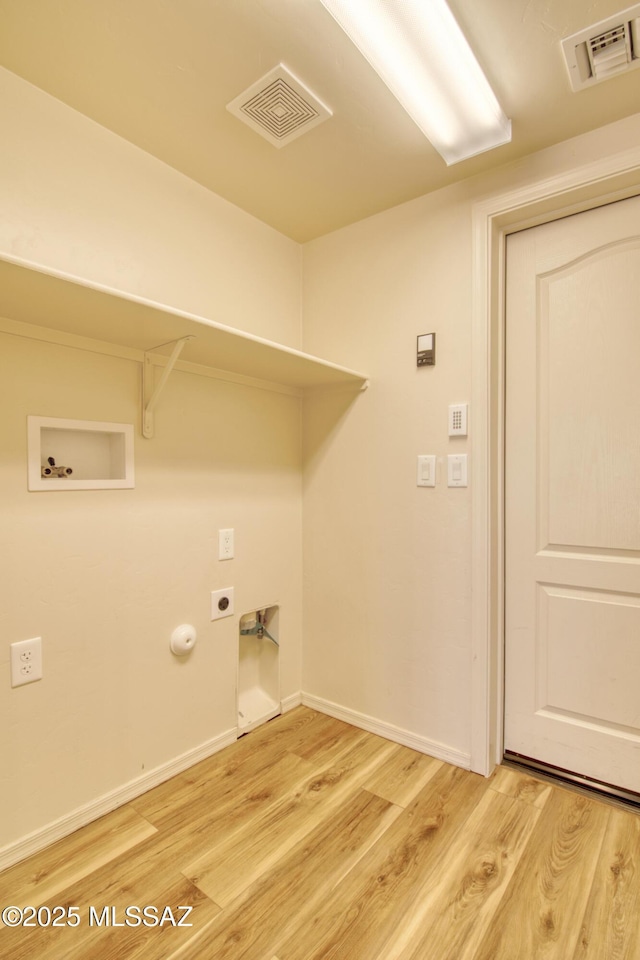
[[458, 417], [426, 356]]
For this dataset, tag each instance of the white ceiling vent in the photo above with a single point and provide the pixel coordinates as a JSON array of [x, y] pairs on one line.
[[279, 107], [604, 50]]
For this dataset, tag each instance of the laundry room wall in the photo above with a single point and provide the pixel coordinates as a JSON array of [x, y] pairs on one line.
[[387, 564], [103, 577]]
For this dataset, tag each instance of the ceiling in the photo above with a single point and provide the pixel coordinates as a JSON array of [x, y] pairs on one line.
[[160, 72]]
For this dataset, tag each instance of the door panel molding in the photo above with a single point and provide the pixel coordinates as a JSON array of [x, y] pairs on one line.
[[599, 612], [591, 185], [597, 553], [583, 720]]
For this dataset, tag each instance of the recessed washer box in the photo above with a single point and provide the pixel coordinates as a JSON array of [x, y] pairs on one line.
[[99, 455]]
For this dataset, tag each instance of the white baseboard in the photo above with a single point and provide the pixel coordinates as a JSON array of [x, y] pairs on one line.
[[80, 817], [387, 730], [289, 703]]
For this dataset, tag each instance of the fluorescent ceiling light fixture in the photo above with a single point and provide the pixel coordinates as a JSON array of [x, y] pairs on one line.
[[419, 51]]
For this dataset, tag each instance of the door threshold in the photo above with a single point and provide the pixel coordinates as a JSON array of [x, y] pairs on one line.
[[566, 778]]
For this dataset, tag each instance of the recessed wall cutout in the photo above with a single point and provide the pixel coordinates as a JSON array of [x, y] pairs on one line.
[[79, 454], [258, 668]]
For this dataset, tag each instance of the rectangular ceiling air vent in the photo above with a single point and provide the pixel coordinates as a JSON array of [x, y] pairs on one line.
[[604, 50], [279, 107]]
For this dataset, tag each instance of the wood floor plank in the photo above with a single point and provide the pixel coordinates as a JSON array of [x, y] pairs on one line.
[[290, 894], [329, 742], [93, 941], [249, 757], [238, 788], [402, 776], [521, 786], [454, 909], [36, 880], [361, 917], [611, 925], [541, 912], [193, 837], [169, 802], [229, 868], [149, 943]]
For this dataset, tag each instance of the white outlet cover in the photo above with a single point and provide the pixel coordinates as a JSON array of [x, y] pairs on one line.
[[221, 603], [226, 544], [26, 661]]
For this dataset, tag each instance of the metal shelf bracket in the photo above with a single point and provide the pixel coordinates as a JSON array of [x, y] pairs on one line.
[[151, 394]]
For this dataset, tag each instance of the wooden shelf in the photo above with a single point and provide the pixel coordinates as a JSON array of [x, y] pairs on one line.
[[29, 294]]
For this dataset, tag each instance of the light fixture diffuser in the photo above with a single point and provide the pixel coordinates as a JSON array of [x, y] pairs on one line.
[[419, 51]]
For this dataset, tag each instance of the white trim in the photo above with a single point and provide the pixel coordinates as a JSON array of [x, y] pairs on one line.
[[80, 817], [593, 184], [289, 703], [387, 730]]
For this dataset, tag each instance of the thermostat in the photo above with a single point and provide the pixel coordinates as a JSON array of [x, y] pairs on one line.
[[427, 350]]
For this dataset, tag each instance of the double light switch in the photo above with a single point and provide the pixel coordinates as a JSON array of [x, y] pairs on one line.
[[456, 470]]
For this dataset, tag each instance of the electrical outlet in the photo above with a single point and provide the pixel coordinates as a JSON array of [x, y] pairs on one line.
[[26, 661], [225, 544], [221, 603]]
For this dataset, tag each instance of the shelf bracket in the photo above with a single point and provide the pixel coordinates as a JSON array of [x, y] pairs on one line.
[[150, 395]]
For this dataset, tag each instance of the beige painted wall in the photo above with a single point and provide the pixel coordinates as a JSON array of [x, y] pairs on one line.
[[104, 577], [387, 564], [77, 198]]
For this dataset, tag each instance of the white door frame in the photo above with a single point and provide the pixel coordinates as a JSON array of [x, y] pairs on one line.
[[612, 178]]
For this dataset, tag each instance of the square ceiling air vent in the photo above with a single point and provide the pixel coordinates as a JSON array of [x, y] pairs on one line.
[[279, 107], [604, 50]]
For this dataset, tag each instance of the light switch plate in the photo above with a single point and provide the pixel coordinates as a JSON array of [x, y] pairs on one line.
[[457, 470], [426, 470]]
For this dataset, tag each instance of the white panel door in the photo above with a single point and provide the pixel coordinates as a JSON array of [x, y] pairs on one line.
[[572, 494]]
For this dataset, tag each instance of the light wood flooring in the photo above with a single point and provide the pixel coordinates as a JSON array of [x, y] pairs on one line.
[[309, 839]]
